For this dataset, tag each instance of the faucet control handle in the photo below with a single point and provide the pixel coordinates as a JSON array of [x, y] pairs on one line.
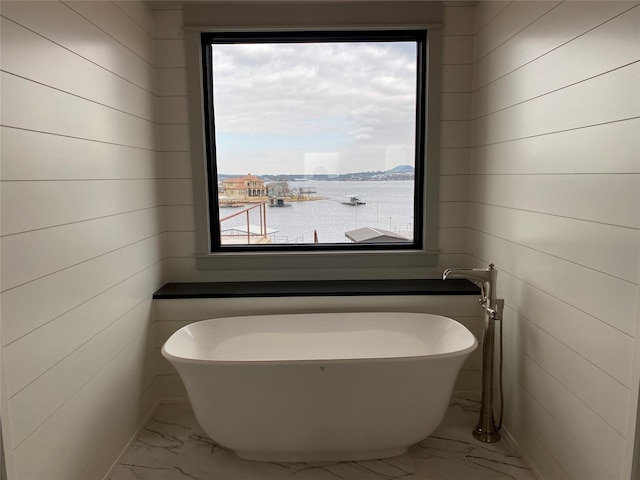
[[496, 312]]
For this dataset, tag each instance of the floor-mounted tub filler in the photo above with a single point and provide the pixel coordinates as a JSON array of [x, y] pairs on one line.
[[485, 278], [322, 386]]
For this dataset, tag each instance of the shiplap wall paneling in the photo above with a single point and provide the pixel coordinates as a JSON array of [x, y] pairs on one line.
[[82, 233], [554, 191], [457, 40]]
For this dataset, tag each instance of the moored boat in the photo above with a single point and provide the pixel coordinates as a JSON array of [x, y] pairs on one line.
[[353, 200]]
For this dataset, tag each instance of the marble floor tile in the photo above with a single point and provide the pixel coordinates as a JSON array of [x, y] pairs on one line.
[[156, 450], [203, 459], [451, 452], [172, 446]]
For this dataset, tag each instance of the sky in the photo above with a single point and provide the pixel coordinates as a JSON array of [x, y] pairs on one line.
[[308, 108]]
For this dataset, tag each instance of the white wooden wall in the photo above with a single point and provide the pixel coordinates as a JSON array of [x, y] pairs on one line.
[[457, 45], [173, 116], [81, 233], [554, 196]]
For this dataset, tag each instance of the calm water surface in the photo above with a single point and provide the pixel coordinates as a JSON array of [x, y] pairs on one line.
[[389, 206]]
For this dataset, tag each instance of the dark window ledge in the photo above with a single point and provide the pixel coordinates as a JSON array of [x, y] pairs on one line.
[[316, 288]]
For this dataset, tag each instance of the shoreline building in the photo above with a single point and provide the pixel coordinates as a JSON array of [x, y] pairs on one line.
[[244, 187]]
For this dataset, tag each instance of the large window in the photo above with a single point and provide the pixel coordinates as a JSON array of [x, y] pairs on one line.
[[315, 141]]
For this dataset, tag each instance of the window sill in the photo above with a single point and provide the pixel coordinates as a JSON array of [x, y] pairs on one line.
[[347, 260], [316, 288]]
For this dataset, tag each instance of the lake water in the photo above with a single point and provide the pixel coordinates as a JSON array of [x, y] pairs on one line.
[[389, 206]]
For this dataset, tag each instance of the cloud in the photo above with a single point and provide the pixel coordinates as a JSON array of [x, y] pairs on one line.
[[312, 97]]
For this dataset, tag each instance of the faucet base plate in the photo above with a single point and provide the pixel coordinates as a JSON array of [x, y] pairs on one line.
[[487, 437]]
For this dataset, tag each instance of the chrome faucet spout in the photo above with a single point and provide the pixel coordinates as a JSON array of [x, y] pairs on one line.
[[485, 278], [473, 274]]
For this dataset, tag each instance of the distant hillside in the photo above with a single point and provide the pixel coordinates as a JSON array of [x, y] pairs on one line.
[[401, 172], [401, 169]]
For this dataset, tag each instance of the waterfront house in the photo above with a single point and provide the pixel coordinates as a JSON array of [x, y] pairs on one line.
[[244, 187]]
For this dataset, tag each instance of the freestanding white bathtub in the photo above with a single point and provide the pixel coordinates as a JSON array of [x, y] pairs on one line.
[[323, 386]]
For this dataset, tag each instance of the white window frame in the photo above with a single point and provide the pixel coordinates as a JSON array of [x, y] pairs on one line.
[[320, 16]]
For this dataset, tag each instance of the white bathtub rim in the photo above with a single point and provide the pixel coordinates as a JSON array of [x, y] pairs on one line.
[[177, 359], [317, 361]]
